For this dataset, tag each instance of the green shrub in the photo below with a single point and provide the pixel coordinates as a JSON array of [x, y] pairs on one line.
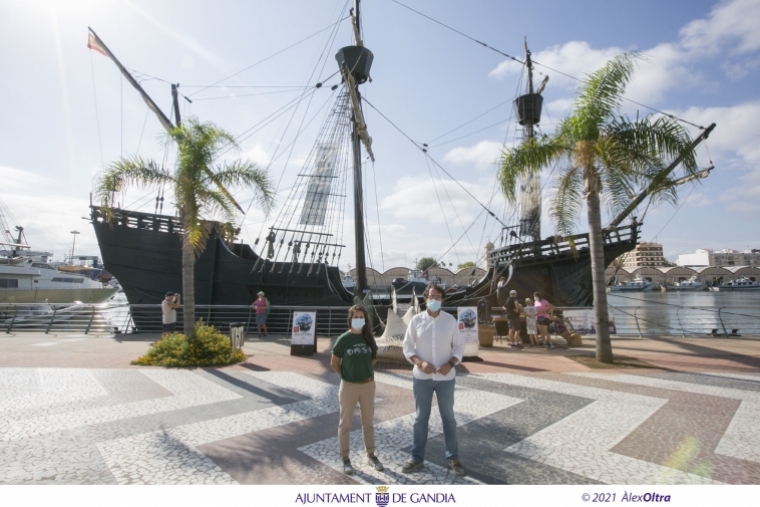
[[208, 347]]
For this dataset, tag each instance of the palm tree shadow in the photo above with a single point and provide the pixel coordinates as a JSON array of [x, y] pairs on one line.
[[705, 351]]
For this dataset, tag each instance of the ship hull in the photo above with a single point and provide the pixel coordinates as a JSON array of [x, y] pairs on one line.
[[144, 252], [561, 274]]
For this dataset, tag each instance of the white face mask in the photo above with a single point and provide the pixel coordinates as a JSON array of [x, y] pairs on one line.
[[357, 323], [536, 298], [434, 305]]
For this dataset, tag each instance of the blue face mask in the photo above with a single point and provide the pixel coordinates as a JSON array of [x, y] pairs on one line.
[[434, 305], [357, 323]]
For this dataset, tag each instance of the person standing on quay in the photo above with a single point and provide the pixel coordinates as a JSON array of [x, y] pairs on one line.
[[543, 309], [169, 313], [513, 310], [353, 356], [433, 344], [530, 321], [262, 310]]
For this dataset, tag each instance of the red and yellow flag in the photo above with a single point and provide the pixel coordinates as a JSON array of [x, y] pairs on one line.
[[93, 43]]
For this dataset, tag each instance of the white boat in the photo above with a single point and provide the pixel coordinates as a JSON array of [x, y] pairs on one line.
[[740, 284], [348, 282], [22, 280], [638, 284], [690, 284]]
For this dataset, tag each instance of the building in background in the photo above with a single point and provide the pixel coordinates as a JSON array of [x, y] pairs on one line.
[[723, 258], [645, 254]]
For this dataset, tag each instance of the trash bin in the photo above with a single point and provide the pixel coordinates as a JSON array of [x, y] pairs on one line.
[[237, 335]]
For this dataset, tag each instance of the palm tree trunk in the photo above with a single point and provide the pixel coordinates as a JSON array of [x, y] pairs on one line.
[[596, 246], [188, 289]]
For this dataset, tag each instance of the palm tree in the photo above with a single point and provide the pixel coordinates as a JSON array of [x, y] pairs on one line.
[[200, 191], [600, 152]]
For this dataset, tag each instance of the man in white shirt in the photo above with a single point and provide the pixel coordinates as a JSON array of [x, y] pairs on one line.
[[169, 313], [433, 344]]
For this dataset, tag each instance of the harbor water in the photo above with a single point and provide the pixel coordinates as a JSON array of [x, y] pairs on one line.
[[686, 313]]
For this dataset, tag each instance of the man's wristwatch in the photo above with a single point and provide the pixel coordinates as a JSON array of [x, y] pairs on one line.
[[452, 364]]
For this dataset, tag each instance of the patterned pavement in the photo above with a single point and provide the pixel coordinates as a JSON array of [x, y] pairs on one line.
[[274, 421]]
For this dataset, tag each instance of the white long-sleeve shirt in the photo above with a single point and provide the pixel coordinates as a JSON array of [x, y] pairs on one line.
[[434, 340]]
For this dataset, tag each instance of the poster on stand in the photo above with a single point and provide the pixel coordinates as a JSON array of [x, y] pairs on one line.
[[467, 319], [304, 328]]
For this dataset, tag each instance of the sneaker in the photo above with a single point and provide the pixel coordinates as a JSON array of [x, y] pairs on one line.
[[411, 466], [456, 467], [551, 346], [347, 468], [374, 462]]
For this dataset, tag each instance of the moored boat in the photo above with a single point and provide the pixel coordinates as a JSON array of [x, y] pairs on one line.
[[691, 284], [741, 284], [638, 284]]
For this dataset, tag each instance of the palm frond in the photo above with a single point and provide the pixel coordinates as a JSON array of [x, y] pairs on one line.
[[130, 171], [602, 95], [566, 206], [248, 174], [216, 205], [528, 158]]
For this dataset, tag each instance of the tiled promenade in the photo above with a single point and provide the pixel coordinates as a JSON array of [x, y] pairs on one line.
[[72, 411]]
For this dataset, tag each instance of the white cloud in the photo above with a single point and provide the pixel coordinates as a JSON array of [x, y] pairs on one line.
[[255, 154], [482, 155], [733, 21], [46, 215], [416, 198], [698, 200], [730, 30], [743, 207], [737, 131], [575, 58]]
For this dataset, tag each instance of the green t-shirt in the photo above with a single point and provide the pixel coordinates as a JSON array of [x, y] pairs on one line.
[[355, 357]]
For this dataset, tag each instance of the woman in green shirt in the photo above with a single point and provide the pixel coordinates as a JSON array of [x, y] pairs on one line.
[[353, 356]]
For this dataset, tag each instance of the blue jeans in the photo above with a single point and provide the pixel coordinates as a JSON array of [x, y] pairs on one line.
[[423, 402]]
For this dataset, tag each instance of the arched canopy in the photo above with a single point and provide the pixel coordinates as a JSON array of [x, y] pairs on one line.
[[744, 270]]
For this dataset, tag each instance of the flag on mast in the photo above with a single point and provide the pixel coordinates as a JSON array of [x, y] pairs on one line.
[[93, 43]]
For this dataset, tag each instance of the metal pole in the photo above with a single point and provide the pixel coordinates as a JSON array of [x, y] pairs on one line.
[[92, 317], [635, 316], [52, 318], [15, 313], [721, 322]]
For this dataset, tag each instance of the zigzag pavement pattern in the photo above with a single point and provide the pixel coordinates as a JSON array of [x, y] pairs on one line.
[[189, 390], [172, 457], [581, 442], [740, 439]]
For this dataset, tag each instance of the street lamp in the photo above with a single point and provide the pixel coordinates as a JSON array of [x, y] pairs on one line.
[[74, 244]]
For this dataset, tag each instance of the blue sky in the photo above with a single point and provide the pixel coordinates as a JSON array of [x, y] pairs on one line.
[[67, 111]]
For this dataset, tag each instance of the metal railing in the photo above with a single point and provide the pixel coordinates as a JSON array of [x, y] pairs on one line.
[[125, 318], [628, 321]]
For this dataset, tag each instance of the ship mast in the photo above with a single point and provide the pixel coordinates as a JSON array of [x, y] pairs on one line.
[[355, 62], [528, 110]]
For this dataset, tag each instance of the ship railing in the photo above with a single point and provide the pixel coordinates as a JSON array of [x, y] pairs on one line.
[[140, 220], [554, 246], [644, 320]]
